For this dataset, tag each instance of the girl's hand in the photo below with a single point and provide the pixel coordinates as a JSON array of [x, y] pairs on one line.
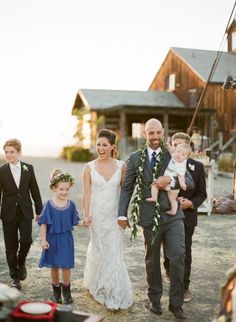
[[37, 218], [87, 221], [44, 244]]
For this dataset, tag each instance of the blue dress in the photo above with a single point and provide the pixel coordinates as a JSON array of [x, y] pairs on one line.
[[60, 222]]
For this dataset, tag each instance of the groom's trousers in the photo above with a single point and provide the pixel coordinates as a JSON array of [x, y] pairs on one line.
[[175, 252]]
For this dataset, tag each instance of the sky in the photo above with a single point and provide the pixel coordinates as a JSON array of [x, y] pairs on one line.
[[52, 48]]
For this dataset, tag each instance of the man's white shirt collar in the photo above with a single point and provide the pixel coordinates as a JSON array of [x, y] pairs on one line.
[[150, 151], [13, 166]]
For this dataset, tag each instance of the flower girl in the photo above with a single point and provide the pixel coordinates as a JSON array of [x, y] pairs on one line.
[[58, 217]]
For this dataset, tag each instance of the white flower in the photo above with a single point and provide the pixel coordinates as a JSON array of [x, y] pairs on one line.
[[25, 168], [191, 166]]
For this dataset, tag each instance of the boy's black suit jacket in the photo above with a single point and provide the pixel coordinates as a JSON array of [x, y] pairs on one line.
[[11, 197], [196, 195]]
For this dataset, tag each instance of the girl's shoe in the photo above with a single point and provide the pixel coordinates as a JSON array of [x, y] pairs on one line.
[[56, 294], [67, 294]]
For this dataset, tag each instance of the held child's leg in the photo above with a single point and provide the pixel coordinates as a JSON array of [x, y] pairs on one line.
[[182, 182], [172, 195], [66, 274], [56, 285], [154, 192]]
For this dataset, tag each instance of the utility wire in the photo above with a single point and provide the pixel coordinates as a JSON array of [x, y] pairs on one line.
[[213, 68]]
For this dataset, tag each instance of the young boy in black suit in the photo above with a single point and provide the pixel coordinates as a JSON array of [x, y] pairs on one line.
[[17, 186], [189, 200]]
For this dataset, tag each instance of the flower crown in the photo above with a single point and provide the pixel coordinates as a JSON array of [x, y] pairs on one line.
[[61, 177]]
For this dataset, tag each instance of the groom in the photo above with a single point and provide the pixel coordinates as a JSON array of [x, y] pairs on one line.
[[171, 226]]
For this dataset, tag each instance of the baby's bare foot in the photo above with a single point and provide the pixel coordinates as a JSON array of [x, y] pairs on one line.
[[151, 200]]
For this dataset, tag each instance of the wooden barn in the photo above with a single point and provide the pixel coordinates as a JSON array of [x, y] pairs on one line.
[[185, 72], [125, 112], [172, 97]]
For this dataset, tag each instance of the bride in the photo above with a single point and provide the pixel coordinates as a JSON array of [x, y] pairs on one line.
[[105, 276]]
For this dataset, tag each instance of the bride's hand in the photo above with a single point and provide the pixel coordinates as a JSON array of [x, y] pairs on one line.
[[87, 220]]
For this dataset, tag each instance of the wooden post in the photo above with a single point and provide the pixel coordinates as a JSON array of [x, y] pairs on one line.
[[94, 129], [122, 124], [234, 143], [211, 130], [166, 124], [220, 136], [123, 134], [234, 183]]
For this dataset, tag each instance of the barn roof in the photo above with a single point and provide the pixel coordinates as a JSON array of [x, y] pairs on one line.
[[102, 99], [201, 62]]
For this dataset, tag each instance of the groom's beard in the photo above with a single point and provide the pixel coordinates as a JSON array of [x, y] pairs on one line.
[[154, 144]]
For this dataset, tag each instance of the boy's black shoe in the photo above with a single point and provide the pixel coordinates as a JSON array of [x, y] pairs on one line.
[[15, 282], [22, 272]]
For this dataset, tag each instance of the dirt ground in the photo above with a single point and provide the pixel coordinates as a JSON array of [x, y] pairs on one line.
[[213, 254]]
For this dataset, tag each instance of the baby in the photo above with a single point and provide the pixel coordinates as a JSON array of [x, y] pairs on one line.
[[176, 167]]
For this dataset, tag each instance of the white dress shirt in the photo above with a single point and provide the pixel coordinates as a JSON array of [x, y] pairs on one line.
[[150, 151], [16, 172]]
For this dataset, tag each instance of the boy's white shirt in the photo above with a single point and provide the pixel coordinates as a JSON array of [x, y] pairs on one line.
[[16, 172]]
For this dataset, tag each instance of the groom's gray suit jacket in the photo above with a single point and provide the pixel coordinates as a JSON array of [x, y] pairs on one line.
[[147, 208]]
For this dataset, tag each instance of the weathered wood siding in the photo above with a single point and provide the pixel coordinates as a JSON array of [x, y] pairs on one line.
[[224, 102]]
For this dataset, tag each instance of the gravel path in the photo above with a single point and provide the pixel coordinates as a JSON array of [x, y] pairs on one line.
[[213, 254]]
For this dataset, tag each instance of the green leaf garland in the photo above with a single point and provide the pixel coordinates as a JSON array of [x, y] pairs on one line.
[[138, 196]]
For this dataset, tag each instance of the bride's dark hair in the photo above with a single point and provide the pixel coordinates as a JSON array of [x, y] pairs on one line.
[[111, 137]]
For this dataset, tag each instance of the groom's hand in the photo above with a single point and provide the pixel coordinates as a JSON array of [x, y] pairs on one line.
[[123, 223], [162, 182], [185, 203]]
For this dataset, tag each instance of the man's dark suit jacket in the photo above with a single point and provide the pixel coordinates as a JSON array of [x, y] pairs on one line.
[[11, 197], [196, 195], [147, 208]]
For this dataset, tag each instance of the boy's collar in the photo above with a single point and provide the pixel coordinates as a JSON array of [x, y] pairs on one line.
[[18, 164]]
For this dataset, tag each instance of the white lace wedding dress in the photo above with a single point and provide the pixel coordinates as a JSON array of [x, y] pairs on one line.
[[105, 275]]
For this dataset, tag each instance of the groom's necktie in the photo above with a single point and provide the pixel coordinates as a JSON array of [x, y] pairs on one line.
[[153, 159]]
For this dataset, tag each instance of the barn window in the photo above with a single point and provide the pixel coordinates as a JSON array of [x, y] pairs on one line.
[[234, 40], [137, 130], [170, 82], [192, 97]]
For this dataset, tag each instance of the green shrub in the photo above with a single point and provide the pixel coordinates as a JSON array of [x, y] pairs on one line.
[[225, 163], [76, 154], [65, 151]]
